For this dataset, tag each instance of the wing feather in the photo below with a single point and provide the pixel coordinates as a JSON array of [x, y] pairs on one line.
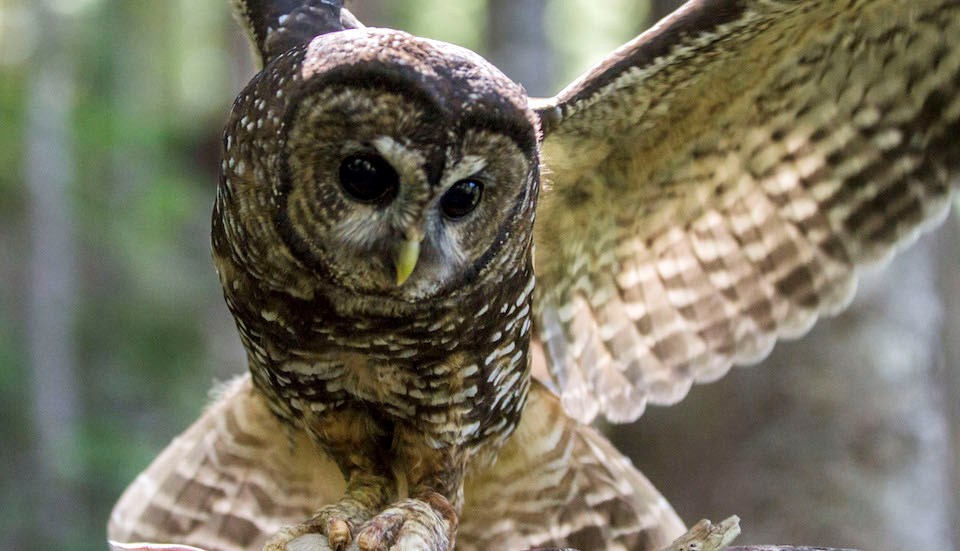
[[714, 185], [276, 26], [229, 482], [558, 483]]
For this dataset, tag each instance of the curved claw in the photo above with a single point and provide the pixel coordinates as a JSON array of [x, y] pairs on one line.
[[411, 525], [331, 529]]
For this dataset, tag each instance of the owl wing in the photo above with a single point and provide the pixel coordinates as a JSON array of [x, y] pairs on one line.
[[276, 26], [229, 482], [713, 185], [558, 483]]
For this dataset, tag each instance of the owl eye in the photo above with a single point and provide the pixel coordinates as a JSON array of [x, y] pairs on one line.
[[369, 178], [462, 198]]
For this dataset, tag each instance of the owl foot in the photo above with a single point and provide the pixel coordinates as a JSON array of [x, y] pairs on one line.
[[334, 522], [425, 524]]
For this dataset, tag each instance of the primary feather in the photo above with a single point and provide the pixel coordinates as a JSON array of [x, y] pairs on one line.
[[715, 184]]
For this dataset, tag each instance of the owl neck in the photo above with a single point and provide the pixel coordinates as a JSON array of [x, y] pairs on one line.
[[293, 319], [275, 322]]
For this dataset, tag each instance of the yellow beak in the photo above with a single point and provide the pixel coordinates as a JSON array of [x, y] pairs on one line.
[[405, 258]]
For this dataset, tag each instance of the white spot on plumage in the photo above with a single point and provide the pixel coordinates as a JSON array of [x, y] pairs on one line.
[[269, 316]]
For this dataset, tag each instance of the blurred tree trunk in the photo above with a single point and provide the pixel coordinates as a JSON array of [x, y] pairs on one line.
[[52, 289], [841, 439], [948, 249], [517, 43]]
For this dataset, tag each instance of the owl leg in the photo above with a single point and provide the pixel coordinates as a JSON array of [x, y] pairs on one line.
[[425, 522], [365, 495], [358, 448], [428, 520]]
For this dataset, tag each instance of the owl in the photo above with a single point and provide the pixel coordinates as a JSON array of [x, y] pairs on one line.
[[440, 282]]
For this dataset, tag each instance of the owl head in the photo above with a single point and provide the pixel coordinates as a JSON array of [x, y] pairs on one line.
[[378, 163]]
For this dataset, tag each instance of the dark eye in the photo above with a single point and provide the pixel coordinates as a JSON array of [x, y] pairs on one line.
[[462, 198], [369, 178]]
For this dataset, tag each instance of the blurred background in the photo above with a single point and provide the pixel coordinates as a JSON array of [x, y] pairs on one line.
[[112, 326]]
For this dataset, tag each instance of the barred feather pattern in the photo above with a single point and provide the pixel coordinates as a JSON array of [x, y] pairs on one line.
[[558, 484], [238, 475], [714, 186], [230, 481]]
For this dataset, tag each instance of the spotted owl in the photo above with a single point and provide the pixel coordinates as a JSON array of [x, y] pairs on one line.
[[440, 282]]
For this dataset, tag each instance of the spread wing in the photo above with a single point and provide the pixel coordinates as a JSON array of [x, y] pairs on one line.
[[228, 483], [713, 185], [558, 483], [276, 26]]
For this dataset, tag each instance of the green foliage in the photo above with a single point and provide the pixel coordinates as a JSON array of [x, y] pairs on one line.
[[463, 22], [12, 148], [582, 34], [15, 429]]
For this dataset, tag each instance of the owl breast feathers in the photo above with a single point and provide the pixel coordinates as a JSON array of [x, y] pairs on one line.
[[404, 237]]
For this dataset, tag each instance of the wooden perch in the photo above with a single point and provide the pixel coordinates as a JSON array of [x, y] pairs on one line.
[[778, 548], [706, 536]]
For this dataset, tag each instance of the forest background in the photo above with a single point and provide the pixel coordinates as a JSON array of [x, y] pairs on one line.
[[113, 329]]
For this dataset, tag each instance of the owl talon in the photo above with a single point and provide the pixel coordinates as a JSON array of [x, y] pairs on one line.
[[384, 527], [338, 533], [411, 525], [334, 522]]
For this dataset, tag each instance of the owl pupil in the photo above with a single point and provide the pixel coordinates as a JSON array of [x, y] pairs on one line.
[[369, 178], [461, 199]]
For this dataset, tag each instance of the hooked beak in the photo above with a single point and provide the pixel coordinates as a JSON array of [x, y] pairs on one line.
[[406, 256]]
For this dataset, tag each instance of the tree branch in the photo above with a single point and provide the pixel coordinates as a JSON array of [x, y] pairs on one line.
[[706, 536], [778, 548]]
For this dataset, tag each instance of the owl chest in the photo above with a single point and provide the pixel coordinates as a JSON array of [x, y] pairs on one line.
[[402, 387], [456, 383]]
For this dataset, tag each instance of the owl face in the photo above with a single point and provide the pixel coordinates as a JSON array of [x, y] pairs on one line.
[[408, 164]]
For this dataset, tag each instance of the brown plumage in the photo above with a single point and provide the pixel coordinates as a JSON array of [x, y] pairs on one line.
[[709, 187], [768, 149], [239, 475]]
